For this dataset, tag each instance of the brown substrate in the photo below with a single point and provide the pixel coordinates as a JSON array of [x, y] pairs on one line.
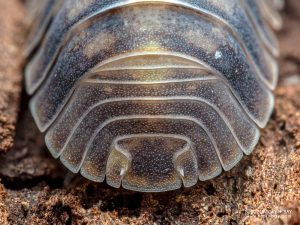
[[262, 189], [11, 16]]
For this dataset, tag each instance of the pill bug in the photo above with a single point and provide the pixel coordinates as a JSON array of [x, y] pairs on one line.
[[152, 94]]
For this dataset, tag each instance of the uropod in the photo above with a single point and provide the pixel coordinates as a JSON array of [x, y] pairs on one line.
[[152, 95]]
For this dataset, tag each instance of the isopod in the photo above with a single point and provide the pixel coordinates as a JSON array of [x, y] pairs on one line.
[[151, 95]]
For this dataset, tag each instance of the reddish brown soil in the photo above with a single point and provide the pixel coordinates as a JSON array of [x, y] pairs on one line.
[[11, 15], [263, 189]]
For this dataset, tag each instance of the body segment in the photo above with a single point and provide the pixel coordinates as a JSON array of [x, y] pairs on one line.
[[153, 94]]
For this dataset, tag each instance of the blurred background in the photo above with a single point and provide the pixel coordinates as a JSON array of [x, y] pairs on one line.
[[36, 189]]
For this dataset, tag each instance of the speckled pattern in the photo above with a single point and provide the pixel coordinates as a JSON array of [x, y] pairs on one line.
[[125, 87], [262, 189]]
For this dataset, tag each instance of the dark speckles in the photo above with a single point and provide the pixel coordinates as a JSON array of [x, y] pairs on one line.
[[151, 95], [164, 38]]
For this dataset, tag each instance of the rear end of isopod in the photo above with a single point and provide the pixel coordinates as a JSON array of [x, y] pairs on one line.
[[152, 95]]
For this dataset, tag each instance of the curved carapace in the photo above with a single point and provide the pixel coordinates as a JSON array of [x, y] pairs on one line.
[[152, 94]]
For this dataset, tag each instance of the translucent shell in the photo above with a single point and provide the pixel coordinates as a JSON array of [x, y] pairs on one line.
[[152, 94]]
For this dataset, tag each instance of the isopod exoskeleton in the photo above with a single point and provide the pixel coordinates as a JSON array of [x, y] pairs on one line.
[[152, 94]]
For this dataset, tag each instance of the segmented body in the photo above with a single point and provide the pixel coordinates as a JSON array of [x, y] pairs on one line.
[[152, 94]]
